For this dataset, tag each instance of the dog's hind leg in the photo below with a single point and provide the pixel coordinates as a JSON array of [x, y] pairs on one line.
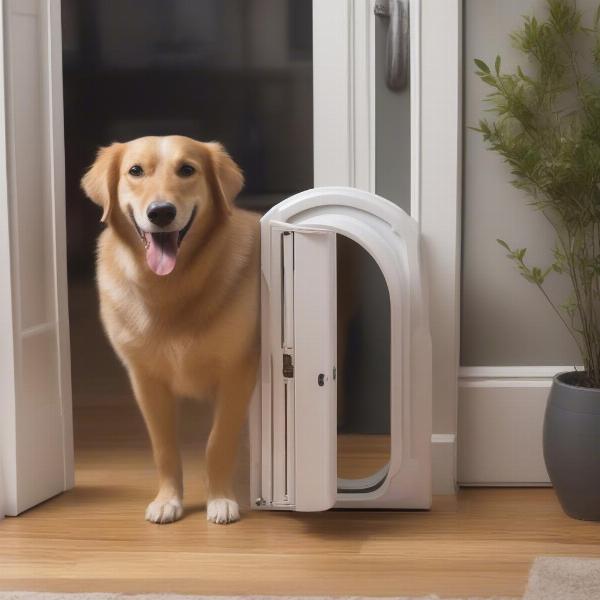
[[159, 408], [233, 397]]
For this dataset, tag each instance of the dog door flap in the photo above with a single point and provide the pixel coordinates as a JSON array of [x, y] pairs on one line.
[[315, 370], [299, 333]]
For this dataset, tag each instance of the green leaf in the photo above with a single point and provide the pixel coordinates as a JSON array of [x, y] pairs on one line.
[[489, 79], [482, 66], [537, 275], [504, 244], [497, 65]]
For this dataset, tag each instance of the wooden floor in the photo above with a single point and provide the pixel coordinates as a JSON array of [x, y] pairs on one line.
[[94, 538]]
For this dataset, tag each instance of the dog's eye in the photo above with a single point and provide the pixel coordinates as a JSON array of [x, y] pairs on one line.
[[186, 171], [136, 171]]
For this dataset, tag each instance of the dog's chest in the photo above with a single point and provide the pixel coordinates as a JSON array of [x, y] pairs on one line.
[[184, 362], [163, 343], [187, 364]]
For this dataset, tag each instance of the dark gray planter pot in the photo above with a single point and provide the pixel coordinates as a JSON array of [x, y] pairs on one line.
[[572, 446]]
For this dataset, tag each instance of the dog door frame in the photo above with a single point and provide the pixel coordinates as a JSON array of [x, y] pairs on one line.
[[293, 436]]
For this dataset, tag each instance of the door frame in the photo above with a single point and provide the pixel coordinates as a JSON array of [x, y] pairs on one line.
[[345, 138], [36, 430], [7, 362], [344, 154]]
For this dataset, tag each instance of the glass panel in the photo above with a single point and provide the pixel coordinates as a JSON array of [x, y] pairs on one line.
[[392, 129], [236, 71], [363, 365]]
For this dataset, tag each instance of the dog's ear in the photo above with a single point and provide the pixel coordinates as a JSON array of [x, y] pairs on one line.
[[102, 179], [224, 176]]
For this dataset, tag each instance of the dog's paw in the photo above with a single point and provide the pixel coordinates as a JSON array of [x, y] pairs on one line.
[[222, 511], [164, 511]]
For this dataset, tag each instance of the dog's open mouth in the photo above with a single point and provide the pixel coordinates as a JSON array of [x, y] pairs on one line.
[[162, 246], [161, 251]]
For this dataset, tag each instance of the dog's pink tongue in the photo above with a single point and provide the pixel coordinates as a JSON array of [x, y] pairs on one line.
[[161, 252]]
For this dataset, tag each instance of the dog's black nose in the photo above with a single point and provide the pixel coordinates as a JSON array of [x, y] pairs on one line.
[[161, 213]]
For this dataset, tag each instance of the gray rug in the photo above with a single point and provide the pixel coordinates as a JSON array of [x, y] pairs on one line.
[[550, 578], [556, 578]]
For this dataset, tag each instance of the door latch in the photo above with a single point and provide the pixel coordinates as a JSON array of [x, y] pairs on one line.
[[288, 367]]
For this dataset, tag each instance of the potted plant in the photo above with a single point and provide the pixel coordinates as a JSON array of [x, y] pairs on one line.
[[546, 126]]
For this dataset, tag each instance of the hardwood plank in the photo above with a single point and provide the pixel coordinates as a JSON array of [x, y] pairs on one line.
[[94, 538]]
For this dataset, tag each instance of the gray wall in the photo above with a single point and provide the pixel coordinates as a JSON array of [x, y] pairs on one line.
[[505, 320]]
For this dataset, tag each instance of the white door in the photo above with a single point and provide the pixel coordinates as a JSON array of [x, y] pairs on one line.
[[36, 438]]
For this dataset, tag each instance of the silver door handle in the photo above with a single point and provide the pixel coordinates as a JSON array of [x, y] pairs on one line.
[[397, 44]]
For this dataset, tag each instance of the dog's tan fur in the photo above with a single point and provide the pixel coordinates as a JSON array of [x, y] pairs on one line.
[[192, 333]]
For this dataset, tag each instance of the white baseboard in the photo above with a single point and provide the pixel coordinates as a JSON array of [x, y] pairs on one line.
[[443, 463], [500, 423]]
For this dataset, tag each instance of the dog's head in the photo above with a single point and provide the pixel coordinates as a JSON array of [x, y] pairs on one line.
[[161, 188]]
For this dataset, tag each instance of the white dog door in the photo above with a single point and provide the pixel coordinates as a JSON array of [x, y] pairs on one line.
[[323, 356]]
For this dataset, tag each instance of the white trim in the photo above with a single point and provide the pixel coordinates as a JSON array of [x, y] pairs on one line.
[[344, 93], [443, 459], [37, 329], [415, 109], [501, 413], [505, 383], [510, 376], [332, 98], [57, 181], [440, 195], [513, 372], [362, 70], [36, 419], [7, 350]]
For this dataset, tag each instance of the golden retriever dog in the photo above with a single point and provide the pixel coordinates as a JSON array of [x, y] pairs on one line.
[[178, 277]]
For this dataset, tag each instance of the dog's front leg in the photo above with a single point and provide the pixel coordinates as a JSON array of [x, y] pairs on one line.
[[159, 408], [233, 397]]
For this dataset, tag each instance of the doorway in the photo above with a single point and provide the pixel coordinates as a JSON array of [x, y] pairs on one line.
[[348, 44], [240, 72], [236, 71]]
